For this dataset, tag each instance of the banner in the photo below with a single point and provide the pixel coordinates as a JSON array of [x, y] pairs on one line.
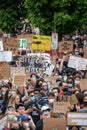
[[77, 63], [54, 43], [41, 42], [22, 44], [1, 45], [66, 46]]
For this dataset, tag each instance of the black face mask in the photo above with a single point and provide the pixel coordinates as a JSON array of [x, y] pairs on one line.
[[85, 102]]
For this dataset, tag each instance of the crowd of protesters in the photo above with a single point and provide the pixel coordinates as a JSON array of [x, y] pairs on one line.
[[27, 106]]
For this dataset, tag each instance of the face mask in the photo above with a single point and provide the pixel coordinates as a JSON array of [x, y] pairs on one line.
[[33, 98], [51, 100], [56, 94], [34, 79], [49, 87], [26, 124], [3, 93], [46, 113], [44, 87], [36, 97], [65, 79], [9, 95], [58, 83], [17, 87], [76, 53], [77, 82], [70, 85]]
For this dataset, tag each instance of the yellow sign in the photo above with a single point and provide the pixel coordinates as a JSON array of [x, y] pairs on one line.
[[41, 42]]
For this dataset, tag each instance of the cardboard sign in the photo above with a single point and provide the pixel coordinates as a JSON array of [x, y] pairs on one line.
[[41, 42], [72, 99], [19, 80], [4, 70], [76, 62], [60, 107], [66, 46], [54, 124], [1, 45], [3, 122], [17, 70], [76, 119], [28, 37], [11, 44], [83, 84]]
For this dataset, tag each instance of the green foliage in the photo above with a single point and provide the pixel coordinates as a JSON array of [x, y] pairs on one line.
[[64, 15], [10, 13]]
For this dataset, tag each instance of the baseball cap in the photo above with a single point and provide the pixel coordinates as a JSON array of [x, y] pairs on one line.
[[45, 107], [25, 117]]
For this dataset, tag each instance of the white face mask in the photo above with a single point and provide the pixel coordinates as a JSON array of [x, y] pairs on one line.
[[46, 113], [26, 124], [77, 82], [51, 100]]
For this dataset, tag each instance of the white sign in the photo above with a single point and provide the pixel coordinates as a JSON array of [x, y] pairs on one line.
[[49, 70], [6, 56], [77, 63], [1, 45], [54, 44]]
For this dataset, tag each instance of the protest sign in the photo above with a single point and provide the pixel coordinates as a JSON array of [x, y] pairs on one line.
[[17, 70], [19, 80], [6, 56], [85, 52], [35, 62], [49, 70], [1, 45], [54, 124], [4, 70], [41, 42], [28, 37], [83, 84], [76, 119], [73, 99], [66, 46], [60, 107], [3, 122], [77, 63], [11, 44], [22, 44], [54, 43]]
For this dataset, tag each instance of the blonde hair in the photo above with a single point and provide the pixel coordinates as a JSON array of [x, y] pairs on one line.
[[12, 100]]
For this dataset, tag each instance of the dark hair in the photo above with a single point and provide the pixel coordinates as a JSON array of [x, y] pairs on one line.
[[80, 97], [56, 89]]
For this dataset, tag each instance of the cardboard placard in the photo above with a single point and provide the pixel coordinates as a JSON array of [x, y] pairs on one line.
[[4, 70], [85, 52], [19, 80], [83, 84], [11, 44], [73, 99], [54, 124], [66, 46], [29, 39], [60, 107], [3, 122], [76, 119], [17, 70], [77, 63]]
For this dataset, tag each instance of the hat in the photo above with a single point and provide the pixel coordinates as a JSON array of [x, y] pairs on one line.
[[45, 107], [25, 117], [51, 94]]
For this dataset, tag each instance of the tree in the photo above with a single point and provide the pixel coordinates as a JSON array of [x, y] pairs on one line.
[[65, 16], [11, 12]]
